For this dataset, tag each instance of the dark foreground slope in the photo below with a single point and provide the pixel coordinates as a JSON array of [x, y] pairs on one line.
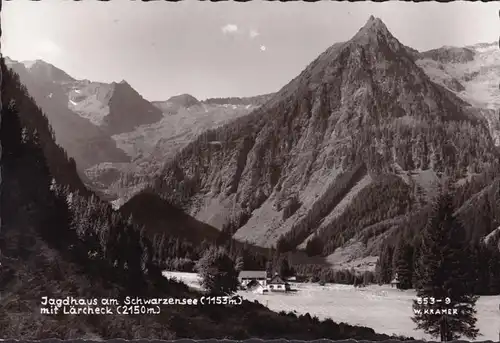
[[59, 241]]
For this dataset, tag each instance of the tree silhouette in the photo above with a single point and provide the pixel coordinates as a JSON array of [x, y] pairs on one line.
[[445, 274], [217, 272]]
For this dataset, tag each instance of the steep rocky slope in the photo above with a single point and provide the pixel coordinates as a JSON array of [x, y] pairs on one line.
[[353, 143]]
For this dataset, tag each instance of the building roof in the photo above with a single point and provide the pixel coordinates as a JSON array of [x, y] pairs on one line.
[[253, 274], [277, 280]]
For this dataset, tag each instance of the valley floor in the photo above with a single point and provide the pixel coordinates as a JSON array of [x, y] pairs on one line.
[[382, 308]]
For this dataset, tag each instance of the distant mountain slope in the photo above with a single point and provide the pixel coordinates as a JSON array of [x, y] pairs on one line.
[[361, 121], [472, 74], [254, 100], [151, 145], [86, 143], [115, 107], [174, 103]]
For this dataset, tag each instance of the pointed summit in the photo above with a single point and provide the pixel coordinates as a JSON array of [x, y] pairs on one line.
[[374, 26]]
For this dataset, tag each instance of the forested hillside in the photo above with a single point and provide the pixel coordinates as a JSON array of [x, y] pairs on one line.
[[477, 211]]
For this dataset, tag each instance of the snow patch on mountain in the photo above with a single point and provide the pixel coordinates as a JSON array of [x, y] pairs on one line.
[[90, 100]]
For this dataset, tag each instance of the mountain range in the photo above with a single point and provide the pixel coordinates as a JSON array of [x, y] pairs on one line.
[[345, 152], [111, 130]]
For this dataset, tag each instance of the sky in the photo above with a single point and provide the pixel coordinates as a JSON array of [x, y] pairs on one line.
[[219, 49]]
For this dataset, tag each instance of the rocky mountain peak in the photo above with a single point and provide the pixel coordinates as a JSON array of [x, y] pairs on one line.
[[128, 109], [46, 71], [374, 25], [374, 28], [376, 35], [124, 83], [373, 48], [184, 100]]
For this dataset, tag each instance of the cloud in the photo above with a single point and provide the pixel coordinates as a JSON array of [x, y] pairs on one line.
[[48, 47], [229, 29], [253, 34], [263, 48]]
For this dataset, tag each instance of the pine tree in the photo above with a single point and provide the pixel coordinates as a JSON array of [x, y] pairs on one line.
[[217, 272], [55, 227], [479, 256], [11, 131], [444, 274], [239, 264], [367, 278], [417, 248], [403, 264], [384, 265], [284, 268], [282, 245], [493, 269], [269, 268]]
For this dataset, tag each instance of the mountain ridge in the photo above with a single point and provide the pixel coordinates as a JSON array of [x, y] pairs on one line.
[[88, 144], [98, 102]]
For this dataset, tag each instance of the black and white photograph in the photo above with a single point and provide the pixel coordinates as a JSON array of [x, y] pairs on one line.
[[272, 170]]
